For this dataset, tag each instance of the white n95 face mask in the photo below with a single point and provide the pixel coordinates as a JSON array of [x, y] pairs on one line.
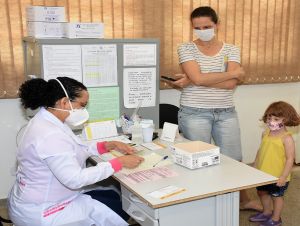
[[76, 116], [205, 35]]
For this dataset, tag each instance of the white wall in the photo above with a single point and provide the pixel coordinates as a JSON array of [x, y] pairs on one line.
[[11, 120], [251, 102]]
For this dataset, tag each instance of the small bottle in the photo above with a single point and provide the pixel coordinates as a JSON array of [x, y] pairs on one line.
[[137, 133]]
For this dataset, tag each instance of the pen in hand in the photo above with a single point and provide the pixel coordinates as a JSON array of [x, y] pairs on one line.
[[163, 158]]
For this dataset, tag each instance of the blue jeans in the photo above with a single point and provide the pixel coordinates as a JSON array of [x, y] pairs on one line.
[[221, 124]]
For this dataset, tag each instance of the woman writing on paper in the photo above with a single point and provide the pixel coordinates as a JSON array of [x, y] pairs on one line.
[[51, 160], [212, 71]]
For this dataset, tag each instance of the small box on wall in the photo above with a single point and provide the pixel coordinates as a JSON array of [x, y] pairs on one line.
[[84, 30], [45, 29], [45, 14]]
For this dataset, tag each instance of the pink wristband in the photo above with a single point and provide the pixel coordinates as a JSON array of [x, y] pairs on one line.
[[116, 164], [101, 147]]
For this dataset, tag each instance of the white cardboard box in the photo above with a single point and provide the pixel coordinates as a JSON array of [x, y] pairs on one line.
[[195, 154], [45, 14], [45, 29], [84, 30]]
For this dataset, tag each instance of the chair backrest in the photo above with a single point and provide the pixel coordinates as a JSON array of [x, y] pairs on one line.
[[4, 221], [168, 113]]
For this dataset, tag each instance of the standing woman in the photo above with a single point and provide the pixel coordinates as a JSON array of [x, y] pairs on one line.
[[51, 160], [212, 70]]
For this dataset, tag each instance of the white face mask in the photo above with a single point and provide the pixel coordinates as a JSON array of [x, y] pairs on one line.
[[205, 35], [76, 116]]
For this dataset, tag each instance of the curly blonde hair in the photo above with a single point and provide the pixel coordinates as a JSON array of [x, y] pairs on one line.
[[284, 110]]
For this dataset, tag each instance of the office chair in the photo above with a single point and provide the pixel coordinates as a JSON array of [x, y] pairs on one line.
[[168, 113], [4, 221]]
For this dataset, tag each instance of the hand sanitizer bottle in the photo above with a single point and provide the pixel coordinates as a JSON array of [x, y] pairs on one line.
[[137, 133]]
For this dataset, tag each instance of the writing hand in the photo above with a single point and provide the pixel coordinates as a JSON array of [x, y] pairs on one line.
[[130, 161]]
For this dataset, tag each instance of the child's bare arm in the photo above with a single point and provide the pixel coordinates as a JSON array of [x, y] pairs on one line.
[[289, 147]]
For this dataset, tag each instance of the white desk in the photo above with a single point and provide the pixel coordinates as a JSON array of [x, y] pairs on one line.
[[211, 197]]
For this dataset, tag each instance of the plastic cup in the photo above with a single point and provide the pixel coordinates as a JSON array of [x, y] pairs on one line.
[[147, 131]]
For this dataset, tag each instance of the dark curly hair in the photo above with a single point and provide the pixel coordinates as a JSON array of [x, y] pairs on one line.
[[36, 93], [205, 11], [284, 110]]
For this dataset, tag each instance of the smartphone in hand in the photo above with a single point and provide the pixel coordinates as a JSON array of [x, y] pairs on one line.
[[168, 78]]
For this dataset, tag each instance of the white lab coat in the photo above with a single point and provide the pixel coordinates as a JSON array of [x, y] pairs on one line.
[[51, 175]]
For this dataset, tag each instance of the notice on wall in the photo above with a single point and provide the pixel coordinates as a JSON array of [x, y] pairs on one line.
[[139, 54], [139, 86], [99, 65], [103, 103], [62, 61]]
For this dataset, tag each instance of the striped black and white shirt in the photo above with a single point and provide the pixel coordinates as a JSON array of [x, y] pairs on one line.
[[206, 97]]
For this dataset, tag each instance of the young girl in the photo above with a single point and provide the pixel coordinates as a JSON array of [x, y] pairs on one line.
[[275, 157]]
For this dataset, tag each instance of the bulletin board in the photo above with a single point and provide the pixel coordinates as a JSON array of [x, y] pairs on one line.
[[116, 71]]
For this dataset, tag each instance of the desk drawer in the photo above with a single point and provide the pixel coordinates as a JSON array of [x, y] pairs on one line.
[[138, 214], [136, 201]]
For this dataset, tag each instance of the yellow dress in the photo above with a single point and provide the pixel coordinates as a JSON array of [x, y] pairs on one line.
[[271, 158]]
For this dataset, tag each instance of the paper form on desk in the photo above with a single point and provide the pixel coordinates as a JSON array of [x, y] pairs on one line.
[[113, 153], [118, 154], [150, 175], [149, 161], [152, 146], [121, 138], [166, 192]]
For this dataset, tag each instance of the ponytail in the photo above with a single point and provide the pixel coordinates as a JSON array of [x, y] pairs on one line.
[[33, 93]]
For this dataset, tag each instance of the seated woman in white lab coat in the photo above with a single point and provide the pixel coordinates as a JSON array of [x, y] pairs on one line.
[[51, 173]]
